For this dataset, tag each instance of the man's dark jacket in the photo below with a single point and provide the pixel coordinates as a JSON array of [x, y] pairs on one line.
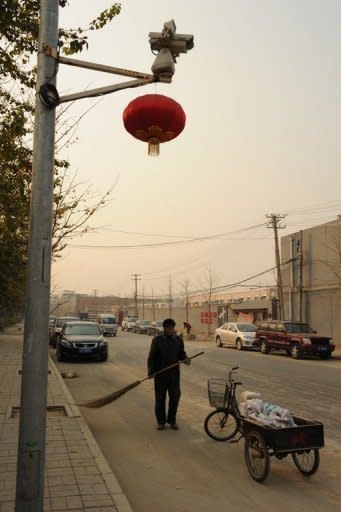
[[164, 351]]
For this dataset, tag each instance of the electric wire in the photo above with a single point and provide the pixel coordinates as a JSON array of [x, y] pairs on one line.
[[161, 244]]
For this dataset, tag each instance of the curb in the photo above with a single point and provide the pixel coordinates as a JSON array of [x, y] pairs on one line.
[[120, 500]]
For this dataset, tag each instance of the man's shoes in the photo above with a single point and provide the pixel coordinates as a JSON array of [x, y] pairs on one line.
[[161, 426], [174, 426]]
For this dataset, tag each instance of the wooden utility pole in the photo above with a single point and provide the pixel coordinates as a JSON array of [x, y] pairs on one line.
[[136, 277], [274, 223]]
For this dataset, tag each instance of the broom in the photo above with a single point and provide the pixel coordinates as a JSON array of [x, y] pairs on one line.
[[107, 399]]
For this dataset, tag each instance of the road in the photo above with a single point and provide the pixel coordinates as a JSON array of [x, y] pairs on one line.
[[185, 471]]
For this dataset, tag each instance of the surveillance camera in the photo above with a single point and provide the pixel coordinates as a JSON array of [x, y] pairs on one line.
[[179, 43], [186, 39], [163, 64]]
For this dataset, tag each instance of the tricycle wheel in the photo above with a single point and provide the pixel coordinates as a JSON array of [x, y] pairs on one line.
[[221, 425], [256, 456], [307, 461]]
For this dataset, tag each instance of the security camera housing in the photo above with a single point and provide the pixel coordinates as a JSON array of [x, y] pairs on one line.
[[178, 43], [163, 65]]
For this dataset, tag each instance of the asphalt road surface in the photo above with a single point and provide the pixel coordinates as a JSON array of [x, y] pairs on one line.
[[186, 471]]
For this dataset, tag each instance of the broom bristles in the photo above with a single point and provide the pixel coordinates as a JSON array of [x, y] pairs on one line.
[[104, 400]]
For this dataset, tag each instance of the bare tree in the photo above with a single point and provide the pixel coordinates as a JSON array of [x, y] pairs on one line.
[[185, 292], [74, 206], [208, 287]]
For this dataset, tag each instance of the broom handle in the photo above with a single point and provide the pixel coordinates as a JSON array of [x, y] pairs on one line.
[[171, 366]]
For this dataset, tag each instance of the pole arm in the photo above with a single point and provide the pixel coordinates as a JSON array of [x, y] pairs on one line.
[[101, 91], [53, 52], [140, 79], [103, 68]]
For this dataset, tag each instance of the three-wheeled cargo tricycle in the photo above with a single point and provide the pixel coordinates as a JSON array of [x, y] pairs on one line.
[[302, 441]]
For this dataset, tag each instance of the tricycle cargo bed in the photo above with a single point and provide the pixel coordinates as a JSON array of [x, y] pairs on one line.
[[305, 435]]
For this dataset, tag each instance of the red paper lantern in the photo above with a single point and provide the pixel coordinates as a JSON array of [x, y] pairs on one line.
[[154, 118]]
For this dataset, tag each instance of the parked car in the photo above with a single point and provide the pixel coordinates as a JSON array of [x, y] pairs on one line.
[[296, 338], [56, 328], [155, 328], [141, 326], [81, 339], [235, 334], [128, 323], [108, 324]]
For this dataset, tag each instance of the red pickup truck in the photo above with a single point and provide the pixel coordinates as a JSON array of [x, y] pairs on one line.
[[297, 338]]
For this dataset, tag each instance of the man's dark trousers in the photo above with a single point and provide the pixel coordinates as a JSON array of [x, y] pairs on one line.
[[167, 382]]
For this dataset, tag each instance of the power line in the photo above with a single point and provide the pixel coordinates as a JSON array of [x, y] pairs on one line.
[[238, 283], [161, 244]]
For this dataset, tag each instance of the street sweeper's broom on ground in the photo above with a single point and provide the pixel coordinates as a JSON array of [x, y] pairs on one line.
[[107, 399]]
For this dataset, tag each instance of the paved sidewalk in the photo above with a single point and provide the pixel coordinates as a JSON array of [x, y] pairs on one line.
[[77, 476]]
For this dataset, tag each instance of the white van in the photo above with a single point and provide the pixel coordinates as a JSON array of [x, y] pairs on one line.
[[107, 323]]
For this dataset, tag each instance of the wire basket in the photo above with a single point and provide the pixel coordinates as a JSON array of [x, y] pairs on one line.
[[217, 392]]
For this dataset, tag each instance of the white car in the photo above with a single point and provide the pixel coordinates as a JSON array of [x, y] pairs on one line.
[[235, 334], [129, 323]]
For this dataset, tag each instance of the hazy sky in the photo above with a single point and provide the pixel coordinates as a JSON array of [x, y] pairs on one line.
[[261, 91]]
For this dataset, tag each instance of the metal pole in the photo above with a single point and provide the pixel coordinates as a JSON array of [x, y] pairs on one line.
[[32, 426]]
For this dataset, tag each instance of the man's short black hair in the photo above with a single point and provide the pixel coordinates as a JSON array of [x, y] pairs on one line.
[[169, 322]]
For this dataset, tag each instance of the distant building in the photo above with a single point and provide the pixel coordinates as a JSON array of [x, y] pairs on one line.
[[312, 281], [243, 305], [72, 303]]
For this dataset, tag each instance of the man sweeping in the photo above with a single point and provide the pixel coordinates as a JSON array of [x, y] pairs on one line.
[[167, 349]]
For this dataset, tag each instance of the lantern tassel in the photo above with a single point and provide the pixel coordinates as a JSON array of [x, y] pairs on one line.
[[153, 147]]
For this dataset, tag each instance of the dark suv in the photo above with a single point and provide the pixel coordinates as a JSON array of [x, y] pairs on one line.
[[297, 338]]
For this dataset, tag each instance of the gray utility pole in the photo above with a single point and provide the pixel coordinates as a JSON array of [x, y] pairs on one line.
[[274, 223], [136, 277], [31, 447], [32, 427]]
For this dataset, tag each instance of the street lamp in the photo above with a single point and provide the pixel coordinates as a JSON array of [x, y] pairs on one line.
[[32, 426]]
